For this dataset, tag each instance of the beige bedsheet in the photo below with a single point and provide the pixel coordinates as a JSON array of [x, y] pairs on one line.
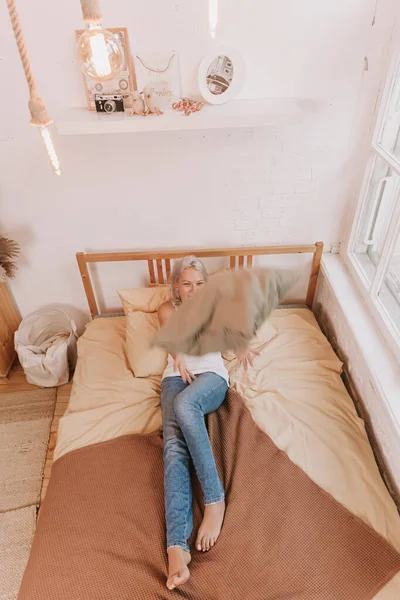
[[294, 393]]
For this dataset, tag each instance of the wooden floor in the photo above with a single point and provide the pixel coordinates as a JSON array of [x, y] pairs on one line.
[[16, 382]]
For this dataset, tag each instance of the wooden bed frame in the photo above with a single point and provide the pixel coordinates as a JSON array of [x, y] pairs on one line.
[[159, 266], [159, 263], [163, 259]]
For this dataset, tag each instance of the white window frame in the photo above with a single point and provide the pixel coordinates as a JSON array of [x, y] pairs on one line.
[[367, 288]]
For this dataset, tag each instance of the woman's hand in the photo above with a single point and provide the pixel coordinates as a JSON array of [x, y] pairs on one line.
[[245, 357], [180, 365]]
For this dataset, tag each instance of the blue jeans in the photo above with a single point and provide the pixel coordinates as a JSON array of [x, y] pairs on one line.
[[185, 437]]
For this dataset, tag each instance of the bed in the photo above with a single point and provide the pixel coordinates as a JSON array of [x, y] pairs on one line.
[[287, 437]]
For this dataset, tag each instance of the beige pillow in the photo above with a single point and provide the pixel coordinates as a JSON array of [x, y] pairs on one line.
[[266, 333], [146, 299], [144, 360]]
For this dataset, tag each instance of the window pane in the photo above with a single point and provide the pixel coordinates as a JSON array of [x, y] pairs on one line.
[[390, 137], [374, 221], [389, 294]]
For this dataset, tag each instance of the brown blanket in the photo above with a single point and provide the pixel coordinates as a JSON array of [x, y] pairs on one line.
[[100, 533]]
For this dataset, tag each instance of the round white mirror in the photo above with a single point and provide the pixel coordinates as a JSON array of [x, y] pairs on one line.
[[220, 75]]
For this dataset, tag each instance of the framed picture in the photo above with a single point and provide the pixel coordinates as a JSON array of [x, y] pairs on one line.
[[124, 83], [159, 71]]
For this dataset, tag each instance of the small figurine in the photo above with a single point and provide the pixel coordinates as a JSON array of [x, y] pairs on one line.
[[151, 102], [138, 105]]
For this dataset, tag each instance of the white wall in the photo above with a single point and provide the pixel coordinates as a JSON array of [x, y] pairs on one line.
[[374, 408], [194, 189]]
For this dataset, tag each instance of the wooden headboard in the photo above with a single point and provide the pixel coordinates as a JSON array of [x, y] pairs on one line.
[[159, 263]]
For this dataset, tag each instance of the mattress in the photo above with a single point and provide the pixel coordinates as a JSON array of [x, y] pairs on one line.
[[294, 393]]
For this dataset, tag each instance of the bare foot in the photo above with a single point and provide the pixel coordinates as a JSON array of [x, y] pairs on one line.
[[210, 527], [178, 572]]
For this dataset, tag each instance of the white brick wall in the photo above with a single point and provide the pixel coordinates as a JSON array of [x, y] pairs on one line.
[[269, 200], [211, 188]]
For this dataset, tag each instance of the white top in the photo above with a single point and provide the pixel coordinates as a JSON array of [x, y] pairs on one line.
[[207, 363]]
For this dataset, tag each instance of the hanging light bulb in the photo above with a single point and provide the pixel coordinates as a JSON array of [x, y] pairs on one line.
[[48, 142], [100, 52], [42, 121], [39, 116], [213, 17]]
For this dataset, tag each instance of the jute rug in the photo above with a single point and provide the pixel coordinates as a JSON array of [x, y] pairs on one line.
[[25, 420]]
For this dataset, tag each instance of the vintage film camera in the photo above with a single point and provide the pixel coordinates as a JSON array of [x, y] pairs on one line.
[[109, 103]]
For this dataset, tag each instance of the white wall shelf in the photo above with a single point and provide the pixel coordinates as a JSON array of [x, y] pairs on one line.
[[260, 112]]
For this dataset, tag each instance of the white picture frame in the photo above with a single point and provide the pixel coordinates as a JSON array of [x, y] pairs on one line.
[[159, 71], [221, 74]]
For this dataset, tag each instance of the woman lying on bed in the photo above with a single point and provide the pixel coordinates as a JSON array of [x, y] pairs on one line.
[[192, 386]]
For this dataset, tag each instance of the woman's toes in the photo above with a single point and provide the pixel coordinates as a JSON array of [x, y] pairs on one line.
[[171, 582], [205, 543], [199, 542], [178, 579]]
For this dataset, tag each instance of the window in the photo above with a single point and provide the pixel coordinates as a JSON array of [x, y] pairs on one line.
[[374, 243]]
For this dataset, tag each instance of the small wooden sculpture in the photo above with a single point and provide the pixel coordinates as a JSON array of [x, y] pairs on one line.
[[151, 102], [138, 105]]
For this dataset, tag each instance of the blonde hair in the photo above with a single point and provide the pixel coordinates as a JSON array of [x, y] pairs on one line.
[[187, 262]]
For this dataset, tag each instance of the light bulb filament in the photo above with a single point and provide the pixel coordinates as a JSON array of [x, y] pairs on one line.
[[100, 57], [48, 142]]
